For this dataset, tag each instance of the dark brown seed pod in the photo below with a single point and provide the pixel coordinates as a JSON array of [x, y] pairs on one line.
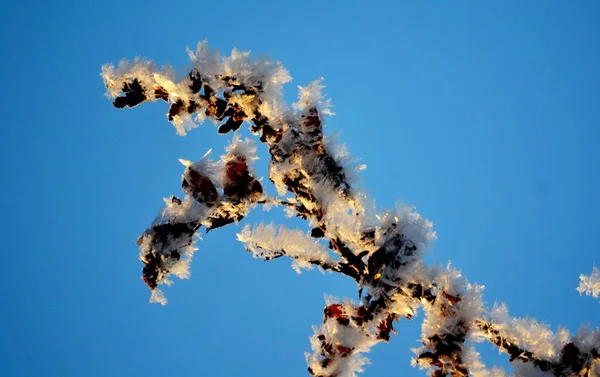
[[134, 95]]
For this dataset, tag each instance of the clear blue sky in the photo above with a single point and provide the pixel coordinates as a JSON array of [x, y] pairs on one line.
[[487, 120]]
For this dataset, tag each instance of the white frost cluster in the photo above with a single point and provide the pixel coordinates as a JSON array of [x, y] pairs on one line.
[[340, 153], [587, 339], [270, 74], [411, 224], [457, 305], [476, 367], [189, 210], [268, 241], [354, 339], [179, 268], [312, 96], [416, 232], [158, 297], [151, 77], [208, 168], [346, 336], [590, 284], [142, 69], [528, 333]]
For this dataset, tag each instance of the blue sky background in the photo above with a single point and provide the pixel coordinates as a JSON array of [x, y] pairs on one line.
[[484, 115]]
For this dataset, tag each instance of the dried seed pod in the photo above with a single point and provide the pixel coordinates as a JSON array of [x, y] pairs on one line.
[[150, 270], [238, 184], [232, 124], [159, 252], [220, 220], [317, 233], [196, 81], [193, 107], [161, 93], [134, 95], [199, 187], [175, 109], [220, 106]]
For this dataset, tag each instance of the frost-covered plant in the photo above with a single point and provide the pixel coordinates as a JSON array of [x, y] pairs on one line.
[[590, 285], [380, 251]]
